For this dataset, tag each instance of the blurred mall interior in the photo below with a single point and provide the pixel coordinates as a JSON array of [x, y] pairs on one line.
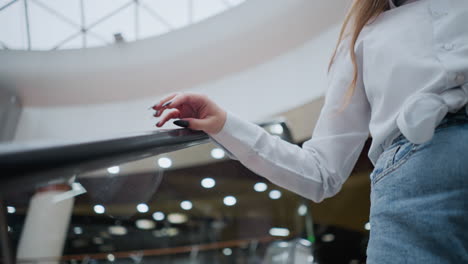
[[87, 177]]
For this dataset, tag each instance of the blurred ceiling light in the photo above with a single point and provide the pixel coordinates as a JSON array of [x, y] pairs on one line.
[[367, 226], [164, 162], [78, 230], [145, 224], [110, 257], [227, 251], [276, 129], [217, 153], [11, 209], [208, 183], [142, 208], [283, 244], [99, 209], [166, 232], [328, 238], [260, 187], [172, 231], [177, 218], [104, 234], [98, 240], [186, 205], [279, 231], [230, 200], [158, 216], [305, 242], [302, 210], [77, 243], [117, 230], [275, 194], [113, 170]]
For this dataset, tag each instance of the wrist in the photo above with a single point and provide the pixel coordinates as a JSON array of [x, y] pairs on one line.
[[221, 122]]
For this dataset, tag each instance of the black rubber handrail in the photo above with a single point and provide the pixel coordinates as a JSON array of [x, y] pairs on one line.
[[23, 168]]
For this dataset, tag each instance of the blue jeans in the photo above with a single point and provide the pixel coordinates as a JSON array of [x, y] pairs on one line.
[[419, 198]]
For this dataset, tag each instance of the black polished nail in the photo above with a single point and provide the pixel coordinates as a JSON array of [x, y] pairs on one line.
[[166, 104], [182, 123]]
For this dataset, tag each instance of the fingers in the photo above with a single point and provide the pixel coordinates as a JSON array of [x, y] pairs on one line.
[[169, 115], [172, 101], [164, 100]]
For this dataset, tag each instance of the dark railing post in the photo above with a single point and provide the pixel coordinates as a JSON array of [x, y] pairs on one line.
[[4, 237]]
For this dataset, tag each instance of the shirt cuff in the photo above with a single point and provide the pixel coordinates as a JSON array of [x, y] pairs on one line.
[[237, 137]]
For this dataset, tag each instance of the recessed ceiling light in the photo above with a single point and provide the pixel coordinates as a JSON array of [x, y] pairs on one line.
[[260, 187], [217, 153], [275, 194], [110, 257], [113, 170], [172, 231], [142, 208], [302, 210], [77, 230], [186, 205], [367, 226], [98, 240], [145, 224], [208, 183], [164, 162], [99, 209], [227, 251], [117, 230], [230, 200], [177, 218], [328, 238], [11, 209], [278, 231], [158, 216], [166, 232]]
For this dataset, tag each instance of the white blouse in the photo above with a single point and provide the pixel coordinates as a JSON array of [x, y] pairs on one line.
[[413, 70]]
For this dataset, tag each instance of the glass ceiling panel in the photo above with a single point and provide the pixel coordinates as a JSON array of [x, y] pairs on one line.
[[12, 30], [71, 24]]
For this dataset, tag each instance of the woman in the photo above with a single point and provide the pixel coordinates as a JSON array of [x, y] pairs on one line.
[[400, 73]]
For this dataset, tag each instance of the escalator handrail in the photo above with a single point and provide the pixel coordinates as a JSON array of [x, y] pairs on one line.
[[35, 165]]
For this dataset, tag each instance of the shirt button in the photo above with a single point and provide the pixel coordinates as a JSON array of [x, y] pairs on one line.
[[448, 46], [460, 78]]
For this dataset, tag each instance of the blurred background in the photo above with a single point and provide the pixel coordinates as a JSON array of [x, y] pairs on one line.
[[74, 71]]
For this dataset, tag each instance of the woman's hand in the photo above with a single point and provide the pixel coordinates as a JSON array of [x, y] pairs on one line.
[[198, 110]]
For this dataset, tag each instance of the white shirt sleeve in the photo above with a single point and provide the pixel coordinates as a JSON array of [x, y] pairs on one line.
[[318, 169]]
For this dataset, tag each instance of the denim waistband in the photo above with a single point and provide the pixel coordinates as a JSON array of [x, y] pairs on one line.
[[450, 119]]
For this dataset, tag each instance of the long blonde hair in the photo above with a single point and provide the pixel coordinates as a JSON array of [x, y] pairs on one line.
[[360, 13]]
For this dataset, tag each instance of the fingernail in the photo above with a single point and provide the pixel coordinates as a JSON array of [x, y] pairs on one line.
[[156, 114], [166, 104], [182, 123], [157, 124]]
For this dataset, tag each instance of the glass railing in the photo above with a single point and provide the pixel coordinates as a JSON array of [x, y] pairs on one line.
[[170, 196]]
